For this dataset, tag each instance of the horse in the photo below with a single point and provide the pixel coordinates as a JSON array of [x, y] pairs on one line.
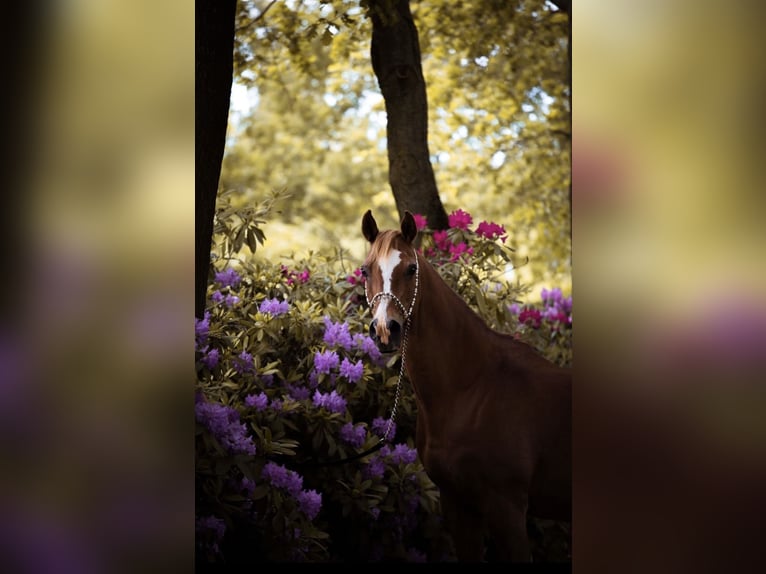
[[494, 418]]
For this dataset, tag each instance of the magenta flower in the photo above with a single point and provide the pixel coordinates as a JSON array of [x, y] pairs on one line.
[[357, 277], [491, 231], [531, 317], [460, 219], [441, 240], [458, 250], [420, 221]]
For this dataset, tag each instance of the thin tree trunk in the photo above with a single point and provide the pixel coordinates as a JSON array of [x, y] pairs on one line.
[[396, 62], [214, 67]]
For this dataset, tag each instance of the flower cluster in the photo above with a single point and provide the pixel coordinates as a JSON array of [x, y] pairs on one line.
[[228, 278], [356, 277], [223, 423], [309, 501], [209, 531], [332, 401], [353, 435], [274, 307], [557, 310], [258, 402], [294, 277], [461, 220]]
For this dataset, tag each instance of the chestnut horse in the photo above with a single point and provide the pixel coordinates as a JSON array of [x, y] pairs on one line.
[[494, 419]]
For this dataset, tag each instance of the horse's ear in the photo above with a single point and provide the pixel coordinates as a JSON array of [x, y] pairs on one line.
[[409, 228], [369, 227]]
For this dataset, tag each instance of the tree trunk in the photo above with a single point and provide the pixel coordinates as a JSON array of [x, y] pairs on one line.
[[395, 55], [214, 67]]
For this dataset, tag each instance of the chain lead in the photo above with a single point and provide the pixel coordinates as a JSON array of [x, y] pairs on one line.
[[407, 316]]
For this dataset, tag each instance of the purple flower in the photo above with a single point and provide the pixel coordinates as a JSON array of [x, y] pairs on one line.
[[379, 426], [375, 468], [231, 300], [333, 402], [274, 307], [267, 380], [210, 531], [313, 379], [310, 502], [201, 328], [352, 371], [212, 524], [337, 334], [217, 297], [279, 476], [326, 361], [258, 402], [365, 344], [223, 423], [276, 405], [298, 392], [402, 454], [514, 308], [353, 435], [210, 359], [228, 278], [244, 363], [459, 219], [375, 512], [247, 485]]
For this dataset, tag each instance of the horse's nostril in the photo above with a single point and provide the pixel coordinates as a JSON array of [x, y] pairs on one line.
[[394, 327], [373, 331]]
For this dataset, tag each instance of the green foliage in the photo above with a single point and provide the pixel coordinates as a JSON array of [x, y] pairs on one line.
[[261, 350]]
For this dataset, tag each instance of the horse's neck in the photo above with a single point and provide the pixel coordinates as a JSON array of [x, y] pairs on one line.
[[445, 331]]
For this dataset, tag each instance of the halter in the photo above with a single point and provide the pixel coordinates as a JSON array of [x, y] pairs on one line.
[[407, 312]]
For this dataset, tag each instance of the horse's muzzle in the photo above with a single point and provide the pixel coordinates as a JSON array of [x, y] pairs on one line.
[[387, 338]]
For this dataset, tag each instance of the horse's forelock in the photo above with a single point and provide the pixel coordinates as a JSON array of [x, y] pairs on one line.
[[383, 244]]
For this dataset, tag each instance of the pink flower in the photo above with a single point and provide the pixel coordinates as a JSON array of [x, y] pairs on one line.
[[420, 221], [531, 317], [460, 219], [441, 240], [491, 230], [458, 250]]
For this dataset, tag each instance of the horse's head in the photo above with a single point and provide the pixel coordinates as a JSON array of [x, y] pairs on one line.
[[391, 279]]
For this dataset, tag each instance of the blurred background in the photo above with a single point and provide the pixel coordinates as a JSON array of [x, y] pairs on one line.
[[667, 252]]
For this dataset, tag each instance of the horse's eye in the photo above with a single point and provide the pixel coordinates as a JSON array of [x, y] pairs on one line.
[[364, 270], [411, 269]]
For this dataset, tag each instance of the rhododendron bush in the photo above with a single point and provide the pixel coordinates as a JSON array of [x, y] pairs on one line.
[[289, 384]]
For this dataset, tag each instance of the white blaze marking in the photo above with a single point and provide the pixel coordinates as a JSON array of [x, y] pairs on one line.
[[387, 267]]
